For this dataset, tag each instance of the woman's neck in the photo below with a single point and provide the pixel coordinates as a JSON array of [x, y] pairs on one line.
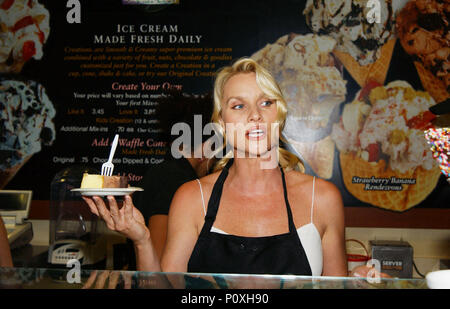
[[254, 176]]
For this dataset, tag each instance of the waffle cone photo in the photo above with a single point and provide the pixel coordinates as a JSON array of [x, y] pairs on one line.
[[8, 174], [15, 68], [426, 181], [433, 85], [376, 71], [353, 166], [318, 155]]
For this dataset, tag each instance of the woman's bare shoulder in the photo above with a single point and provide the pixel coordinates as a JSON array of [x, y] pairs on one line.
[[296, 178], [189, 192], [210, 179], [326, 192]]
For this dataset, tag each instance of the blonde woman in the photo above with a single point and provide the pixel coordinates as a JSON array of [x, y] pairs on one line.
[[250, 216]]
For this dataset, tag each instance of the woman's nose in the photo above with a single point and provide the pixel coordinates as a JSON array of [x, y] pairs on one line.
[[254, 115]]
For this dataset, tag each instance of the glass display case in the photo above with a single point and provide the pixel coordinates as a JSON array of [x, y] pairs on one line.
[[73, 228], [76, 278]]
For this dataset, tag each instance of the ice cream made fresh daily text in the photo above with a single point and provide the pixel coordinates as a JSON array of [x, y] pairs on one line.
[[26, 123], [313, 87], [384, 156], [24, 28]]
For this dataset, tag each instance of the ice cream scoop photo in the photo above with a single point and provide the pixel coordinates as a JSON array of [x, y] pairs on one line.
[[364, 46], [26, 124], [424, 32], [311, 81]]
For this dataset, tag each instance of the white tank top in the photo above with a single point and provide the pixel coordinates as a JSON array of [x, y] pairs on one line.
[[308, 234]]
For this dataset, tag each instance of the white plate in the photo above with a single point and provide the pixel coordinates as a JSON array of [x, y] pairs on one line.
[[439, 279], [107, 191]]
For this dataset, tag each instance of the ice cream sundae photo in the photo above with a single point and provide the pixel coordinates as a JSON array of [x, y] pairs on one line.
[[363, 46], [384, 156], [424, 32], [24, 28]]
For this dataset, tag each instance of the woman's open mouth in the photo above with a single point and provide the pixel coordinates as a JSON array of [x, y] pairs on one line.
[[255, 133]]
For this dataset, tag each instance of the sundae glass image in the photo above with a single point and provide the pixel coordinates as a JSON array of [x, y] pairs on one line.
[[24, 28], [424, 32], [26, 122], [384, 156], [312, 84], [364, 46]]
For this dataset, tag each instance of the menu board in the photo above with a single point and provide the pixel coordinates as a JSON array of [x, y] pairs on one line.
[[358, 104]]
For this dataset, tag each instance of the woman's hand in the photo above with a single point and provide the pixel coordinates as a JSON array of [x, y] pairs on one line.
[[127, 220], [113, 277], [365, 271]]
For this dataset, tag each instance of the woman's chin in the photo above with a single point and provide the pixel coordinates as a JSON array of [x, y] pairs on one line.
[[255, 153]]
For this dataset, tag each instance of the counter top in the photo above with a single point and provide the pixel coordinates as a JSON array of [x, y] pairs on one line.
[[73, 278]]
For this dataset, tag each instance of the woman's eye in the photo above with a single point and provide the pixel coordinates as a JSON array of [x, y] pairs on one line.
[[267, 103], [237, 106]]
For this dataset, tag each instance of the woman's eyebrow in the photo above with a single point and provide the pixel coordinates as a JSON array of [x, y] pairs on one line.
[[234, 97], [240, 98], [264, 96]]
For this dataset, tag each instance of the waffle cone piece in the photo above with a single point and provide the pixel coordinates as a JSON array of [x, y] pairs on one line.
[[319, 155], [15, 68], [433, 85], [376, 71], [9, 173], [409, 196]]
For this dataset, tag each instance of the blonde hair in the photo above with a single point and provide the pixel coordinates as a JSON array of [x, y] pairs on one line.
[[270, 87]]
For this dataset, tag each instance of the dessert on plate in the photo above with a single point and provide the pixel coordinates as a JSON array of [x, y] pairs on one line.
[[96, 181], [26, 123], [309, 77], [384, 155]]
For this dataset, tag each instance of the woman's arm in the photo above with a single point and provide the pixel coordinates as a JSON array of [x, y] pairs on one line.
[[331, 212], [157, 224], [5, 252], [129, 222], [182, 233]]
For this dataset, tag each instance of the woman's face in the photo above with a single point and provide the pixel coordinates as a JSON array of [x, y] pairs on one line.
[[249, 117]]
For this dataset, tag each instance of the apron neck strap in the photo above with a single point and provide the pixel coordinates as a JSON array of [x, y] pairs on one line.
[[214, 200], [292, 228]]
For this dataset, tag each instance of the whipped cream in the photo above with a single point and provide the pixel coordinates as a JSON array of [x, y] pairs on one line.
[[24, 28], [385, 122]]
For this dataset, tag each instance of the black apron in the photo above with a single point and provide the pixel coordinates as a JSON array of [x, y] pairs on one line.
[[219, 253]]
